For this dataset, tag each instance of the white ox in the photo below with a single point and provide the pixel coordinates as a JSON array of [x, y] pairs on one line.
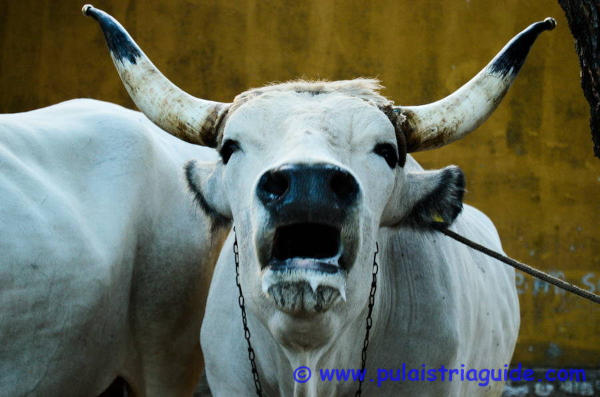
[[105, 261], [313, 175]]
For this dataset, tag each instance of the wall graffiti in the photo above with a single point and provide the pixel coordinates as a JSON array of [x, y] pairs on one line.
[[528, 285]]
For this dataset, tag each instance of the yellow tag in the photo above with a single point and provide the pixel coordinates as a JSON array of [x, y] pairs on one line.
[[438, 218]]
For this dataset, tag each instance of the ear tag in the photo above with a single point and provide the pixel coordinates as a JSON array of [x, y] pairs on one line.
[[438, 218]]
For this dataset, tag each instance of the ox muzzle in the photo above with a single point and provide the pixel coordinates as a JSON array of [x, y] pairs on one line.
[[308, 206]]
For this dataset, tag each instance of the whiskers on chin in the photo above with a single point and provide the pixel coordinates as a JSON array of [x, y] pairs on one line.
[[295, 291]]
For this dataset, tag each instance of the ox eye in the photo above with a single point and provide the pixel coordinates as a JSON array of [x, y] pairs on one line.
[[229, 147], [388, 152]]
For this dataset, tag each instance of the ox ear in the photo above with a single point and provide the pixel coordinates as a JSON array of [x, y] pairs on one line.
[[206, 183], [425, 198]]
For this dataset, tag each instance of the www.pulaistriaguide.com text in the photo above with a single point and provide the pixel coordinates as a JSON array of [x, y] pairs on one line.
[[482, 377]]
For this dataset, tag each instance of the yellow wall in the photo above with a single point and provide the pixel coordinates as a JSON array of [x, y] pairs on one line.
[[530, 167]]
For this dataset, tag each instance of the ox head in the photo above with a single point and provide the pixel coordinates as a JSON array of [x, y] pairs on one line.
[[309, 172]]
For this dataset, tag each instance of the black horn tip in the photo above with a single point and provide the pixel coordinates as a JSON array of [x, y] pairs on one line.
[[510, 59], [89, 11], [550, 23], [120, 44]]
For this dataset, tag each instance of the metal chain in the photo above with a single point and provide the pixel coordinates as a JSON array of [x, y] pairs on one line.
[[369, 322], [242, 304]]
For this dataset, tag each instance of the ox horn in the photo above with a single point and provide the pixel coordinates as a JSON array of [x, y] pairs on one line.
[[189, 118], [439, 123]]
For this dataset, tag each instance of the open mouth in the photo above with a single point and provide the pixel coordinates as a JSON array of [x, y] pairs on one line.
[[309, 246]]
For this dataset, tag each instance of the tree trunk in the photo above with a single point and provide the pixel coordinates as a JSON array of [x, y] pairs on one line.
[[584, 22]]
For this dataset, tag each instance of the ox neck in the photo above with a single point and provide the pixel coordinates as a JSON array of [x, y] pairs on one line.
[[348, 349]]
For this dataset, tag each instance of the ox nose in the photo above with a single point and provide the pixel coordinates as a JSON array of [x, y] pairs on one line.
[[308, 191]]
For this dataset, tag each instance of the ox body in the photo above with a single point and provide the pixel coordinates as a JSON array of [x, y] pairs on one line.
[[105, 259]]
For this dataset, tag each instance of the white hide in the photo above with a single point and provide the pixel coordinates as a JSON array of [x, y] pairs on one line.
[[105, 259]]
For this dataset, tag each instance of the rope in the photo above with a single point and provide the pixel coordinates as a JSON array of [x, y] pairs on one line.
[[521, 266]]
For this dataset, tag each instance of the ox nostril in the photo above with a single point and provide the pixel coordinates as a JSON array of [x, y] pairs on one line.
[[344, 186], [273, 185]]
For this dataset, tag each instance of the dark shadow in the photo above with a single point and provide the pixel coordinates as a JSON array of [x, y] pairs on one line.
[[202, 389], [119, 388]]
